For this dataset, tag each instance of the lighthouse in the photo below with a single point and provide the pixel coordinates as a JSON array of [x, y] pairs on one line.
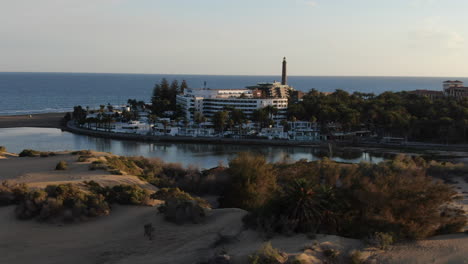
[[284, 77]]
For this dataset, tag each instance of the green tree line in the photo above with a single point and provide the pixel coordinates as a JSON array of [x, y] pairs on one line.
[[389, 114]]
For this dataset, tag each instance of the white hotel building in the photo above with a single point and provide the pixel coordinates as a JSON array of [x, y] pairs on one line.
[[209, 101]]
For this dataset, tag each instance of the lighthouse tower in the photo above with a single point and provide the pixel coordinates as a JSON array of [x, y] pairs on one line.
[[284, 77]]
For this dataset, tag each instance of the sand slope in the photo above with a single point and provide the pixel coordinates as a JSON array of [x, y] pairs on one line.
[[40, 172]]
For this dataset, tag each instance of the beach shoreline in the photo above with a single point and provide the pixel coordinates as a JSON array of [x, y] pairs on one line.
[[47, 120]]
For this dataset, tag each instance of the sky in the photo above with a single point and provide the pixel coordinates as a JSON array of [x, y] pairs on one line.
[[236, 37]]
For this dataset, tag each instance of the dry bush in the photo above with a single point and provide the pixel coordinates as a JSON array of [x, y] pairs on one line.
[[396, 196], [62, 165], [267, 254]]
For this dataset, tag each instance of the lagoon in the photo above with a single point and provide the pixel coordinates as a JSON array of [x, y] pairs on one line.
[[199, 155]]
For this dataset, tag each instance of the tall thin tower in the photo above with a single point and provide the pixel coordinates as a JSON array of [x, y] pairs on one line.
[[284, 77]]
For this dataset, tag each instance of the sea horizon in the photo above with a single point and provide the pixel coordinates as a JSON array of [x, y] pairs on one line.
[[51, 92], [248, 75]]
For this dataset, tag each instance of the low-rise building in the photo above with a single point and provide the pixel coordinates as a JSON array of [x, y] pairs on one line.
[[455, 89]]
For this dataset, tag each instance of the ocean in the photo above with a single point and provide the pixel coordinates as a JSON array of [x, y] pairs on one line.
[[32, 93]]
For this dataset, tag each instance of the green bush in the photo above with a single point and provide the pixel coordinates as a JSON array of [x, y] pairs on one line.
[[121, 194], [63, 202], [395, 197], [383, 240], [29, 153], [180, 207], [129, 194], [252, 182], [35, 153], [12, 194], [268, 255], [82, 152], [62, 165], [166, 194], [356, 257]]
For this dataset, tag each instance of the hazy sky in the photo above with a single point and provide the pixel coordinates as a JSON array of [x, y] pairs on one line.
[[319, 37]]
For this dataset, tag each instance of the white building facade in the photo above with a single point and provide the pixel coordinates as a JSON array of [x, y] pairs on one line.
[[210, 101]]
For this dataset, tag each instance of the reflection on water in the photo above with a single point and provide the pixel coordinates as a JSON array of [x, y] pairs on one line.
[[201, 155]]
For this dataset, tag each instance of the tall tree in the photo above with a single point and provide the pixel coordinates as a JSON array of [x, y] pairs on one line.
[[220, 119]]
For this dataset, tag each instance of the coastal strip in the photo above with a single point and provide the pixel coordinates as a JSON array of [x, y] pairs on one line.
[[368, 147], [49, 120], [186, 139]]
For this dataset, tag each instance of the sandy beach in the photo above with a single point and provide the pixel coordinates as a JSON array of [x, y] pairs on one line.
[[36, 120]]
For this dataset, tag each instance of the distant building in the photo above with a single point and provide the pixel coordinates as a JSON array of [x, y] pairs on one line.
[[455, 89], [209, 101], [450, 89]]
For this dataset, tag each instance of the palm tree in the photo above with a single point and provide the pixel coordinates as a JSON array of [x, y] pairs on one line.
[[271, 110], [165, 124], [303, 205]]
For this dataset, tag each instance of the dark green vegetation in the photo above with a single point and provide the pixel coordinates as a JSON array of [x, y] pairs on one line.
[[62, 165], [35, 153], [397, 197], [164, 175], [67, 202], [388, 114], [393, 200], [267, 254], [164, 96], [180, 207]]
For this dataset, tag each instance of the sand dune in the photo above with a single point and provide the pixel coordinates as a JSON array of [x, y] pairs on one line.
[[118, 238], [40, 172]]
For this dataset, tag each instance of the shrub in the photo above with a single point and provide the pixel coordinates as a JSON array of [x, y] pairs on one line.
[[62, 165], [299, 207], [357, 200], [83, 158], [180, 207], [128, 194], [2, 149], [29, 153], [35, 153], [82, 152], [12, 194], [121, 194], [383, 240], [166, 194], [61, 202], [356, 257], [268, 255], [252, 182]]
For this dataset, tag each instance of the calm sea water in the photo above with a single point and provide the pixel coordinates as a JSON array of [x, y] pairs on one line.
[[25, 93], [200, 155]]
